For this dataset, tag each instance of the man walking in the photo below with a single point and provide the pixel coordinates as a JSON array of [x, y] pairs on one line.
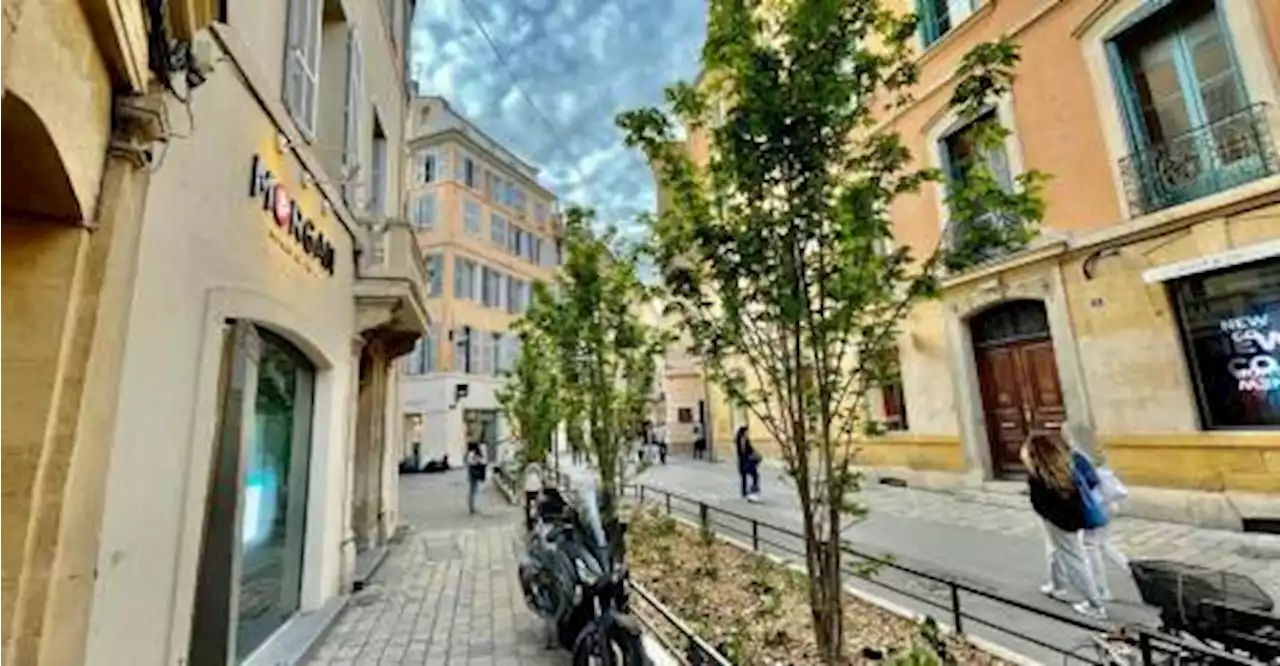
[[748, 465]]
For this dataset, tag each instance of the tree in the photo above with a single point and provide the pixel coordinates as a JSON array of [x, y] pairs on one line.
[[531, 396], [777, 254], [603, 353], [990, 214]]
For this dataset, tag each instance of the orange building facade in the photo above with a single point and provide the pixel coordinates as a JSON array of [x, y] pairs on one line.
[[1148, 308]]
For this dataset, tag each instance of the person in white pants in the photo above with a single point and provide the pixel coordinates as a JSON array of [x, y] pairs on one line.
[[1097, 544]]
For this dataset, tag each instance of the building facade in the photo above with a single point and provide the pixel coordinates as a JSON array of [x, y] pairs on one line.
[[82, 120], [241, 474], [1146, 309], [488, 230]]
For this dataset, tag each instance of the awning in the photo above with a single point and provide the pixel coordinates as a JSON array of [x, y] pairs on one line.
[[1213, 262]]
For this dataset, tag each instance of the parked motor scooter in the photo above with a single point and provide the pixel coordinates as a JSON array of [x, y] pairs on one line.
[[573, 575]]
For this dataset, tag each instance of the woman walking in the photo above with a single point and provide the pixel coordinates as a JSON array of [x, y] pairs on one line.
[[1110, 491], [1056, 498], [532, 487], [748, 465], [475, 474]]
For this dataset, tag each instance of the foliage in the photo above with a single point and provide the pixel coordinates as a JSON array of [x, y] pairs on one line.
[[530, 398], [777, 253], [928, 649], [598, 348], [990, 215]]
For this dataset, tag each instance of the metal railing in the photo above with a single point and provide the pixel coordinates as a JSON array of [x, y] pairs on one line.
[[1154, 648], [1231, 151]]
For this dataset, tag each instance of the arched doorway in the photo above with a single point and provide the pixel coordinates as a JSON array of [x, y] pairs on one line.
[[1018, 377]]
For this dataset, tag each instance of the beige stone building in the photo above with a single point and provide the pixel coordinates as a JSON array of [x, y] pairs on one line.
[[488, 229], [202, 324], [1149, 307]]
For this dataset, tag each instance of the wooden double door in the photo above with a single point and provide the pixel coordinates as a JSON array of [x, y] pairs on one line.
[[1018, 376]]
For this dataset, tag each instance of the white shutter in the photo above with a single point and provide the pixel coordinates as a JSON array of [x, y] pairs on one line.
[[302, 63], [354, 112]]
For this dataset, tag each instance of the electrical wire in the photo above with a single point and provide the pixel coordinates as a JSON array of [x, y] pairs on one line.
[[515, 83]]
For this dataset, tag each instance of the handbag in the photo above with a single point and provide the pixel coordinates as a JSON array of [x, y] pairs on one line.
[[1112, 488], [1088, 487]]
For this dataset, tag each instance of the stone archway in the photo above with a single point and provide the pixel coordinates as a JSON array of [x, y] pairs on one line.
[[36, 185]]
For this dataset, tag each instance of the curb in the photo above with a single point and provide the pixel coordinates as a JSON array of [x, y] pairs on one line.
[[983, 644]]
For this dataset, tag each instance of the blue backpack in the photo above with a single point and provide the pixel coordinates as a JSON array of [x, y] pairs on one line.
[[1089, 487]]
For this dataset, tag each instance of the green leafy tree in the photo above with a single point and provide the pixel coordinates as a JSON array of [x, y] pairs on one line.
[[530, 398], [602, 349], [777, 253], [991, 214]]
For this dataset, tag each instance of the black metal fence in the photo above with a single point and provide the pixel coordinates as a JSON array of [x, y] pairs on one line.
[[1093, 642]]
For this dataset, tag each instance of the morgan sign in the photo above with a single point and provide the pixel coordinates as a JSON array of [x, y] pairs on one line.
[[286, 214]]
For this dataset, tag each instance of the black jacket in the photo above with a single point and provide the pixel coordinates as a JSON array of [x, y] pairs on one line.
[[1065, 512]]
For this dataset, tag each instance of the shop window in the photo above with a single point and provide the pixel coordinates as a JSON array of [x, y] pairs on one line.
[[939, 17], [1230, 323], [1187, 114], [250, 572], [498, 229], [471, 217], [302, 63], [684, 415], [895, 406]]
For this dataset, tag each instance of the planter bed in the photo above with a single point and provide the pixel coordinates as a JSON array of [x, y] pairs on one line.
[[752, 608]]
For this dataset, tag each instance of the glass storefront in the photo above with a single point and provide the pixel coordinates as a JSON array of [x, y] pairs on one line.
[[1230, 321], [273, 498], [250, 575]]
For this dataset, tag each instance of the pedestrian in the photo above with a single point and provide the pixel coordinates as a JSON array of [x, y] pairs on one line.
[[748, 465], [1097, 542], [660, 435], [532, 488], [699, 442], [1056, 498], [476, 468]]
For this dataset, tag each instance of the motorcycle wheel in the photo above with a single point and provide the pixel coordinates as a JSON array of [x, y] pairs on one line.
[[615, 648]]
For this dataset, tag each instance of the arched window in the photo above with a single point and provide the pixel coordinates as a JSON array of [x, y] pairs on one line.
[[1010, 322]]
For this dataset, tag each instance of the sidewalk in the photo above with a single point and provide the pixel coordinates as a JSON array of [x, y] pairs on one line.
[[447, 595]]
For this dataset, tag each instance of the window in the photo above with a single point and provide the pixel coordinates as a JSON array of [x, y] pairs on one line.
[[895, 406], [513, 240], [424, 212], [378, 174], [938, 17], [526, 250], [489, 183], [469, 172], [517, 296], [430, 167], [464, 349], [518, 200], [537, 251], [425, 352], [435, 275], [960, 150], [540, 213], [684, 415], [471, 215], [353, 117], [302, 63], [1185, 107], [498, 356], [488, 287], [498, 229], [1230, 322], [464, 278]]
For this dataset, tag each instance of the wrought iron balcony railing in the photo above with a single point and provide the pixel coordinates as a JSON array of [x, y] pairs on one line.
[[1232, 151]]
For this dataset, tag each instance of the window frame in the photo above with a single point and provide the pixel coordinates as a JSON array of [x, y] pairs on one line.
[[471, 223], [353, 110], [302, 51], [424, 215]]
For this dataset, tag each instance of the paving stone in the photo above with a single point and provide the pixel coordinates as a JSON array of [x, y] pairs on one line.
[[447, 594]]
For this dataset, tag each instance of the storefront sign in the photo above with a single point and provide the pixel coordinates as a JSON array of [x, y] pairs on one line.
[[1254, 341], [288, 216]]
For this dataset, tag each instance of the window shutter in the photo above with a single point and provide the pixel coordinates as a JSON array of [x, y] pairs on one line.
[[352, 115]]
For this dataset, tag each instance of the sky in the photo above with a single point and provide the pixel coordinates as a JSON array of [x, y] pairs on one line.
[[581, 62]]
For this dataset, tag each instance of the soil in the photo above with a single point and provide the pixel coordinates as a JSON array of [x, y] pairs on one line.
[[754, 610]]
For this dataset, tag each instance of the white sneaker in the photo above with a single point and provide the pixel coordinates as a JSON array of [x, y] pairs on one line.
[[754, 498], [1089, 610], [1052, 592]]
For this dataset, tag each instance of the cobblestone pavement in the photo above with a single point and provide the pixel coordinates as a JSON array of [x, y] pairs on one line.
[[447, 595]]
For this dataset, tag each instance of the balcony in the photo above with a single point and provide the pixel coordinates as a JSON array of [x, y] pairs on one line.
[[987, 237], [391, 286], [1212, 158]]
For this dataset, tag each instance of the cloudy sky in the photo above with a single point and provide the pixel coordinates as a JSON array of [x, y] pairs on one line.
[[581, 62]]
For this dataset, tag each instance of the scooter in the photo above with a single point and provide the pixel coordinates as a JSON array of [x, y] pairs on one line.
[[574, 578]]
